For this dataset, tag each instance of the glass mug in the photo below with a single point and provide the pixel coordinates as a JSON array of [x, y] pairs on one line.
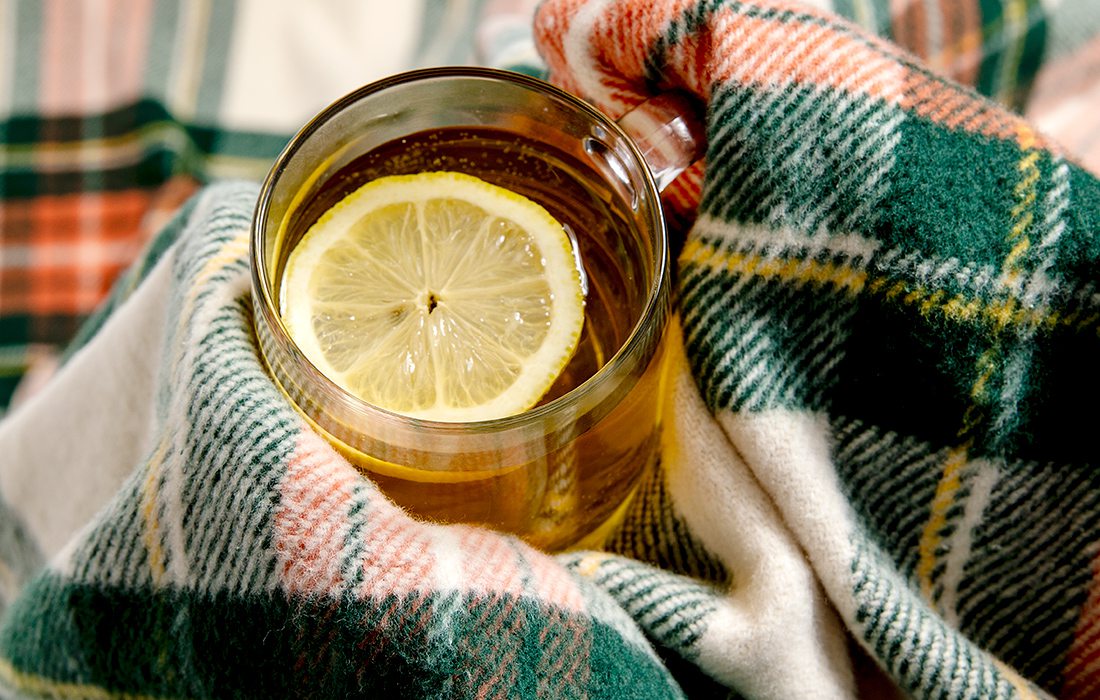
[[561, 472]]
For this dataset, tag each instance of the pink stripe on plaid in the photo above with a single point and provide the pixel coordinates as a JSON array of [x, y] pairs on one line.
[[567, 651], [618, 41], [311, 523], [62, 48], [496, 568], [1064, 103], [551, 583], [943, 102], [760, 52], [552, 25], [93, 54], [789, 44], [494, 578], [490, 563], [397, 554], [129, 52]]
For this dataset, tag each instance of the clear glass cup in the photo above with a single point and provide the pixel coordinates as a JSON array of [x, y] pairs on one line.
[[558, 473]]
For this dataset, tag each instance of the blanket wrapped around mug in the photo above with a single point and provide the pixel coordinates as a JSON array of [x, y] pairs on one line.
[[877, 473]]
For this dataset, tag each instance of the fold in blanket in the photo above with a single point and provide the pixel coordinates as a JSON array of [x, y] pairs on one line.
[[889, 322], [889, 305]]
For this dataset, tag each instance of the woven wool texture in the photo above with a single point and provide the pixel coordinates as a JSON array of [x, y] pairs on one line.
[[111, 116], [244, 556], [876, 478], [889, 305], [112, 112]]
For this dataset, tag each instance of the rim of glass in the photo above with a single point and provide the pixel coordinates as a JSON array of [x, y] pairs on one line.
[[262, 283]]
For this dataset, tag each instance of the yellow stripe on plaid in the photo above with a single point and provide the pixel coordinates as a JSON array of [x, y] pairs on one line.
[[785, 269], [968, 45], [1019, 683], [1015, 27], [1023, 213], [1002, 312], [53, 156], [45, 687], [1011, 24], [590, 565], [151, 534], [931, 541], [932, 536], [233, 252], [125, 149], [950, 482]]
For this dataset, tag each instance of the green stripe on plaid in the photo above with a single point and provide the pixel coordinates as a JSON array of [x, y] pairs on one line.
[[878, 256], [854, 164], [1014, 37], [891, 479], [653, 531], [872, 14], [445, 32], [9, 382], [928, 658], [222, 16], [14, 359], [27, 58], [182, 644], [790, 148], [20, 557], [162, 36], [672, 610], [139, 145], [16, 329]]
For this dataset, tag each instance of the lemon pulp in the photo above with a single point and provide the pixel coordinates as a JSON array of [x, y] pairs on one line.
[[436, 295]]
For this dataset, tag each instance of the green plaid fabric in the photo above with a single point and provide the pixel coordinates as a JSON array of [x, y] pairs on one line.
[[876, 475], [889, 306], [209, 574]]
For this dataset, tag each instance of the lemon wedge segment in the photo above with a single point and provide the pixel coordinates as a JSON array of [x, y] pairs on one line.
[[436, 295]]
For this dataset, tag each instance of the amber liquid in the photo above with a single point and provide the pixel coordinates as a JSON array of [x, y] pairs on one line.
[[570, 480]]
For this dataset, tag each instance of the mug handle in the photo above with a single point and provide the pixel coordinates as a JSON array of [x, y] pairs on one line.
[[668, 132]]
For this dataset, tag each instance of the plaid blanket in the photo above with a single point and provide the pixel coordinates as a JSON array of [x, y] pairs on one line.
[[875, 480], [112, 112]]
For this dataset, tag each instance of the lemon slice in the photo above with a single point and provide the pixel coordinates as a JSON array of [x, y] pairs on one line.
[[438, 296]]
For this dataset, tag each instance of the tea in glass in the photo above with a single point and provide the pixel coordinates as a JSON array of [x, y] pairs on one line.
[[560, 470]]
